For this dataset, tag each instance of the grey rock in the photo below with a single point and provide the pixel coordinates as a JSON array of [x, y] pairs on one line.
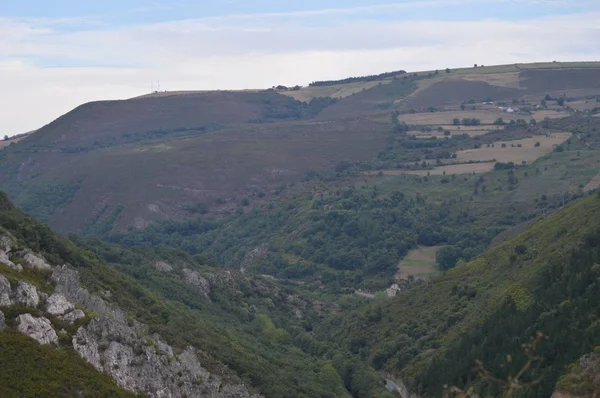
[[5, 260], [57, 304], [5, 292], [2, 321], [6, 242], [149, 364], [35, 261], [67, 284], [26, 294], [73, 316], [162, 266], [39, 329], [198, 281]]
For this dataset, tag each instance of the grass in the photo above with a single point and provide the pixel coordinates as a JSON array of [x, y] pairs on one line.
[[32, 370], [335, 91], [511, 152], [419, 262]]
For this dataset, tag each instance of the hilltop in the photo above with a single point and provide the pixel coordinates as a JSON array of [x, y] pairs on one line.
[[174, 156]]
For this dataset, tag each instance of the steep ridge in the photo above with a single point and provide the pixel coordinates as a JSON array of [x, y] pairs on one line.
[[47, 303], [544, 280], [177, 347]]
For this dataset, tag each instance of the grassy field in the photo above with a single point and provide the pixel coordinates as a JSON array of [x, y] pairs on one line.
[[336, 91], [465, 168], [419, 263], [511, 152], [487, 116]]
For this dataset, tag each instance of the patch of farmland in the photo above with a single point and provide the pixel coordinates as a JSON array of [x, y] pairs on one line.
[[508, 79], [550, 114], [447, 118], [335, 91], [584, 105], [419, 262], [441, 135], [509, 151], [463, 168], [593, 184]]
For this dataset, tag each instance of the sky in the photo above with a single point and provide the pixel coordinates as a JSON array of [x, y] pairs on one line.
[[56, 55]]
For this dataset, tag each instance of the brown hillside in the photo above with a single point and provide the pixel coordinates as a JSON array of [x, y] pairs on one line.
[[177, 155], [110, 120]]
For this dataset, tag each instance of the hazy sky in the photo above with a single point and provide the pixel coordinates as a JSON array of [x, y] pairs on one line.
[[55, 55]]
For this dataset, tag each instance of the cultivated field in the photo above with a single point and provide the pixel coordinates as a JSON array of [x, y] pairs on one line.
[[512, 152], [305, 94], [584, 105], [419, 262], [446, 118], [463, 168], [550, 114], [593, 184]]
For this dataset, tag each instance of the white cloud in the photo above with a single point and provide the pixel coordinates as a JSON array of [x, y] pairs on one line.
[[200, 54]]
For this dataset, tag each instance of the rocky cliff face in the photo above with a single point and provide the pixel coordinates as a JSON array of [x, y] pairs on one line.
[[109, 340]]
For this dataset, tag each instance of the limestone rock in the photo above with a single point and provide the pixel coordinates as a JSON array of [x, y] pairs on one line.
[[149, 364], [73, 316], [5, 260], [6, 242], [5, 291], [57, 304], [35, 261], [67, 284], [39, 329], [2, 321], [198, 281], [26, 294], [163, 267]]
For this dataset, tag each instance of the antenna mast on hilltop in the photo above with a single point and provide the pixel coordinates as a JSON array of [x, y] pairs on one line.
[[152, 90]]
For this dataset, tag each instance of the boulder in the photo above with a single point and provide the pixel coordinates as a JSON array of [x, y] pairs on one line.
[[5, 291], [5, 260], [72, 316], [198, 281], [57, 305], [35, 261], [26, 294], [39, 329], [162, 266]]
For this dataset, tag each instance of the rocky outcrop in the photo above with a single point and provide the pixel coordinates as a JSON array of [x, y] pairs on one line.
[[67, 284], [5, 292], [163, 267], [6, 244], [26, 294], [5, 260], [73, 316], [57, 305], [39, 329], [147, 363], [114, 343], [35, 261], [2, 321], [198, 281]]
